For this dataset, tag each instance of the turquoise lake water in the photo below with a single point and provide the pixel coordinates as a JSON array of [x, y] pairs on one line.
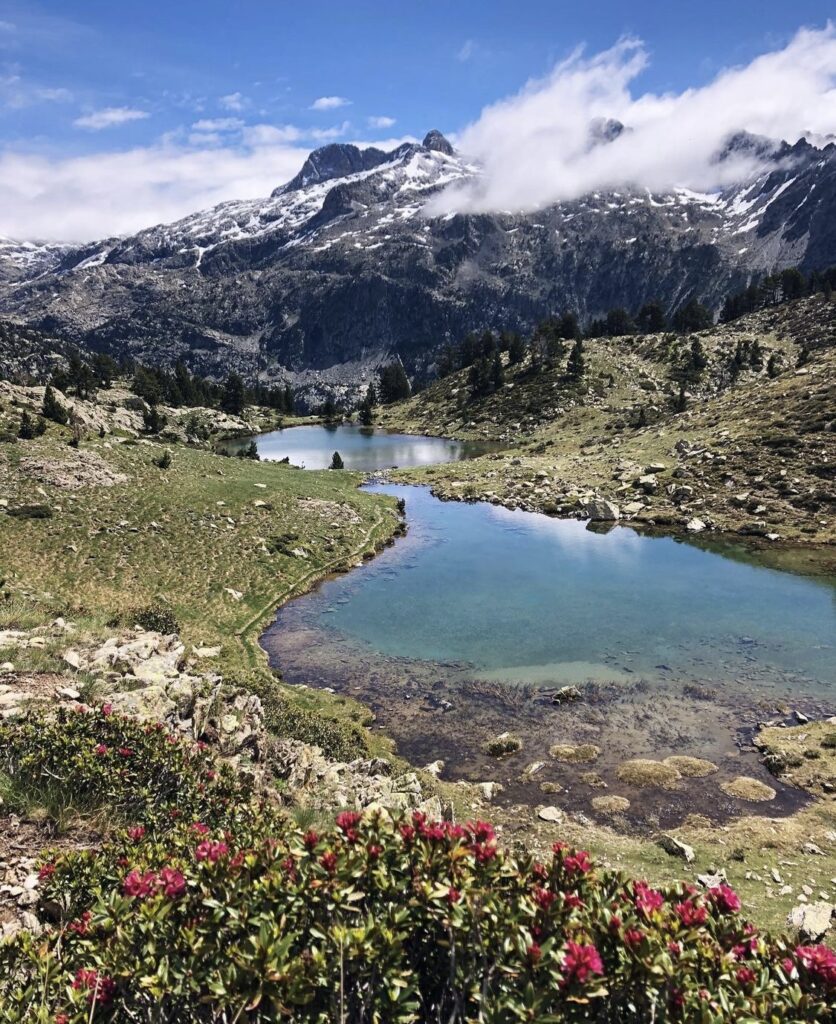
[[365, 449], [525, 597]]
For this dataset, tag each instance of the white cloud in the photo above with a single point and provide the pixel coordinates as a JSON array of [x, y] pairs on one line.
[[16, 93], [327, 134], [535, 147], [468, 49], [218, 124], [330, 103], [233, 101], [380, 122], [93, 196], [109, 117]]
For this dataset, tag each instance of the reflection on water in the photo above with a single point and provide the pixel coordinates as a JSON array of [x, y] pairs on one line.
[[365, 449], [528, 597]]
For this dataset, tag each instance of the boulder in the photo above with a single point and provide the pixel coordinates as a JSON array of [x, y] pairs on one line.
[[811, 920], [676, 848], [600, 510]]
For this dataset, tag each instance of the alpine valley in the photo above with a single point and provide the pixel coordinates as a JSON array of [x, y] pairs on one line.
[[342, 270]]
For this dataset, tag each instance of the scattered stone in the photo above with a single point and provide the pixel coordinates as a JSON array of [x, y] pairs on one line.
[[676, 848], [550, 814], [695, 525], [68, 693], [599, 510], [236, 595]]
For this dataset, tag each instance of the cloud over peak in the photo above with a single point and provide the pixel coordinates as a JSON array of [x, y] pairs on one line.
[[535, 146]]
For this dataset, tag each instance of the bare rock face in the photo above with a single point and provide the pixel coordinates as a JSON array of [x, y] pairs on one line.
[[342, 266]]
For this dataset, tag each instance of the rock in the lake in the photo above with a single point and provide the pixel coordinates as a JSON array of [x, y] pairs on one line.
[[599, 510], [695, 525]]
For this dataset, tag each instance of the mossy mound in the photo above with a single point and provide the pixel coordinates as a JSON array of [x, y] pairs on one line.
[[611, 804], [551, 787], [505, 743], [581, 754], [647, 774], [746, 788], [692, 767]]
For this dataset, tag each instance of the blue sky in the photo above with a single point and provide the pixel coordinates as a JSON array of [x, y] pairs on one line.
[[84, 78]]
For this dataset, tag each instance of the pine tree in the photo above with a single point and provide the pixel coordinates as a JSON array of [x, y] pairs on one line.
[[52, 408], [576, 367], [516, 349], [693, 316], [367, 407], [233, 398], [497, 372], [336, 461], [394, 383], [26, 430], [651, 318]]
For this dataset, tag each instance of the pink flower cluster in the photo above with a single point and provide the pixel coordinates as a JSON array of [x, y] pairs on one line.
[[141, 885], [579, 962], [211, 850], [100, 989], [818, 961]]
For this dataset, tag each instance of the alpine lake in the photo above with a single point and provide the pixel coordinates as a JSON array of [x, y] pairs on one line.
[[473, 624]]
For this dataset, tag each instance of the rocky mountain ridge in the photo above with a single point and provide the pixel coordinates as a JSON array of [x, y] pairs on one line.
[[342, 264]]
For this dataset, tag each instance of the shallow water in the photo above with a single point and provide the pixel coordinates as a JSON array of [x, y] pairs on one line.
[[365, 449], [464, 627]]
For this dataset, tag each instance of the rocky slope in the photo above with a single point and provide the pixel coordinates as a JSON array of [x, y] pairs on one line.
[[342, 264], [753, 454]]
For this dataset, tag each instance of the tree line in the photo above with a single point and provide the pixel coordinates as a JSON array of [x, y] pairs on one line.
[[774, 289]]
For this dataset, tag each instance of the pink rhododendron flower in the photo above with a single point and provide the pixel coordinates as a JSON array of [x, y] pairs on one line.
[[690, 914], [453, 895], [534, 953], [107, 709], [46, 871], [172, 882], [745, 975], [580, 961], [633, 936], [577, 863], [543, 898], [646, 899], [200, 828], [136, 833], [211, 851], [99, 987], [724, 898], [100, 750], [329, 861], [140, 885], [819, 961]]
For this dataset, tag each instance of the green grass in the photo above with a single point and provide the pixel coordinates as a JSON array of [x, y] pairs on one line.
[[177, 539]]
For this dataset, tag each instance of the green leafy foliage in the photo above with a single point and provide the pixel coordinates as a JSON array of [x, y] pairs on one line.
[[210, 906]]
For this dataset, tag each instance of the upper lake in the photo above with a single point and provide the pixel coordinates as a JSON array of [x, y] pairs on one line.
[[365, 449]]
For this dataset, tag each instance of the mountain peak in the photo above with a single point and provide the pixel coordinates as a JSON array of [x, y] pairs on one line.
[[336, 160], [435, 140]]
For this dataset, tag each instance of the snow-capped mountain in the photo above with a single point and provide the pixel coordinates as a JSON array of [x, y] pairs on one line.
[[342, 266]]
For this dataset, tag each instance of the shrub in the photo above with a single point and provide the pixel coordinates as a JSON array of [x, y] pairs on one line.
[[342, 741], [209, 906], [155, 618], [163, 461], [30, 512]]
